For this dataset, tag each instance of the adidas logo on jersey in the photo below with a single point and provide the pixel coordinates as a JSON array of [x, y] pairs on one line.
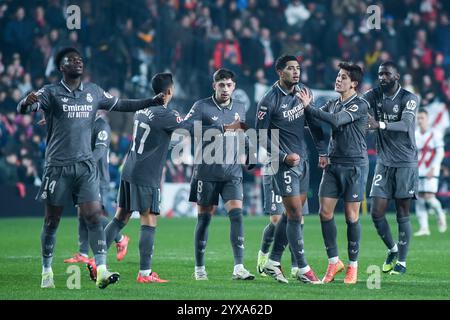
[[215, 118], [355, 196], [64, 100]]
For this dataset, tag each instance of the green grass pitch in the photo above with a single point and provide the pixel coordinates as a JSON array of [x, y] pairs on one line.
[[428, 274]]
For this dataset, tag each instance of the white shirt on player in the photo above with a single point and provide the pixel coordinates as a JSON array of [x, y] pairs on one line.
[[430, 145]]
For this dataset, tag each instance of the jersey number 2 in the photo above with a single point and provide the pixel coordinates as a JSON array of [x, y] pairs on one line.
[[146, 127]]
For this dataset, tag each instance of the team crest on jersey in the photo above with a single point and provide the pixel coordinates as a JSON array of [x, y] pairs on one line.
[[64, 99], [288, 189], [102, 135], [353, 108], [395, 108], [274, 207], [107, 94], [261, 115], [44, 195], [89, 98], [411, 105]]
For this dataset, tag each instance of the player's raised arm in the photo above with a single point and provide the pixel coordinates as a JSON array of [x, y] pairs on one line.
[[34, 101], [315, 129]]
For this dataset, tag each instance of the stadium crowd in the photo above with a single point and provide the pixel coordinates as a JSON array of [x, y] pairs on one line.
[[124, 43]]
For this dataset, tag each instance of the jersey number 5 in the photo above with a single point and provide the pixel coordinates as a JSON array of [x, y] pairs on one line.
[[146, 127]]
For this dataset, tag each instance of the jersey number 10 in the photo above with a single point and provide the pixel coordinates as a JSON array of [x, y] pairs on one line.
[[146, 128]]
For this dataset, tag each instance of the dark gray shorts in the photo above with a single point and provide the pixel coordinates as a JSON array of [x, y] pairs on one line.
[[394, 183], [133, 197], [344, 181], [273, 202], [292, 181], [70, 185], [206, 193]]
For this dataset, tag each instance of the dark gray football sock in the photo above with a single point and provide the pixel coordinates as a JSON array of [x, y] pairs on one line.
[[83, 240], [48, 242], [329, 233], [267, 237], [295, 239], [105, 221], [237, 235], [294, 263], [353, 238], [404, 237], [97, 241], [280, 240], [146, 240], [384, 231], [201, 238], [112, 230]]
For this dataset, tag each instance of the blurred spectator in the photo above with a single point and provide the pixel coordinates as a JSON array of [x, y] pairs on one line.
[[18, 33], [124, 45], [227, 53], [8, 168]]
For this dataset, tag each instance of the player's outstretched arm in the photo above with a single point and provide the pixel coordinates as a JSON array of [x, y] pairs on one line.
[[132, 105]]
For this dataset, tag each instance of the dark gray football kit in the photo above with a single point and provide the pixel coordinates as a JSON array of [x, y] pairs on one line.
[[217, 174], [70, 174], [283, 113], [346, 175], [101, 139], [141, 176], [396, 172]]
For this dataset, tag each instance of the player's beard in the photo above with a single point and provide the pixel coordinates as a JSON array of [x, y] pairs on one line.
[[387, 87], [291, 84]]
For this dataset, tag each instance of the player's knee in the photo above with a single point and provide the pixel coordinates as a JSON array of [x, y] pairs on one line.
[[148, 219], [402, 213], [92, 217], [122, 215], [206, 209], [293, 210], [325, 215], [235, 214], [377, 213], [353, 218], [274, 219], [52, 222]]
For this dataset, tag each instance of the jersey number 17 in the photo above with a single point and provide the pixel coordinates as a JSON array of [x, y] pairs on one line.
[[147, 129]]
